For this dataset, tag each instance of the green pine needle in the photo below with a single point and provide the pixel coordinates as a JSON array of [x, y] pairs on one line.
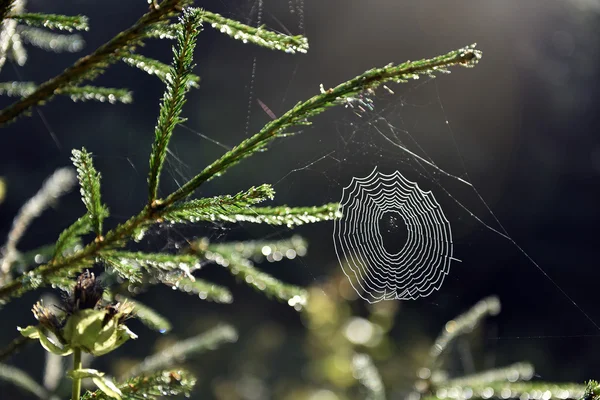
[[341, 94], [205, 290], [147, 315], [155, 67], [53, 21], [76, 93], [513, 391], [217, 208], [162, 30], [51, 41], [89, 182], [178, 82], [185, 349], [168, 383], [592, 391], [259, 36], [71, 236]]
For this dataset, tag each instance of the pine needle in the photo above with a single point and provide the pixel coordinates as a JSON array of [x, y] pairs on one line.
[[53, 21], [51, 41], [155, 67], [205, 290], [147, 315]]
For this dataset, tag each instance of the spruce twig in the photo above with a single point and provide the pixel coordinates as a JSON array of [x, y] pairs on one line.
[[296, 116], [155, 67], [91, 65], [76, 93], [185, 349], [299, 115], [53, 21], [89, 182], [178, 83], [51, 41]]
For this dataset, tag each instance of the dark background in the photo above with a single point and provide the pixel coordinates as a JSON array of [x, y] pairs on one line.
[[525, 121]]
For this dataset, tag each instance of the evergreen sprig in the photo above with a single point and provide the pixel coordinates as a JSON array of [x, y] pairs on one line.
[[71, 236], [88, 67], [205, 290], [244, 269], [89, 182], [167, 383], [259, 36], [53, 21], [511, 390], [185, 349], [50, 41], [299, 114], [219, 207], [178, 82], [162, 30], [76, 93], [288, 216], [129, 264], [155, 67], [258, 250], [146, 315]]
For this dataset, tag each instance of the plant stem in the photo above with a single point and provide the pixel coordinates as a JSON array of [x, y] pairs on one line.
[[76, 394]]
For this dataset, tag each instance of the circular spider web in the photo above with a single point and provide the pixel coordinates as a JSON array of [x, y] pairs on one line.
[[375, 273]]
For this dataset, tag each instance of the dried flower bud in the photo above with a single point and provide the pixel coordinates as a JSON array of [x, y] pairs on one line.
[[87, 293], [46, 317]]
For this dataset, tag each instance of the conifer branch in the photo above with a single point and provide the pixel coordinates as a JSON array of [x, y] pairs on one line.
[[244, 269], [59, 183], [178, 83], [5, 8], [257, 250], [89, 182], [460, 325], [180, 351], [511, 390], [71, 236], [162, 30], [512, 373], [53, 21], [8, 27], [187, 284], [21, 379], [129, 264], [156, 386], [299, 115], [14, 346], [259, 36], [50, 41], [76, 93], [155, 67], [147, 315], [592, 391], [90, 66], [288, 216], [219, 207], [366, 373]]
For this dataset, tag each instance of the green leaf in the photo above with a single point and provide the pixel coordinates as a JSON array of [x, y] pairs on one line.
[[53, 21], [219, 207], [89, 181], [107, 386], [186, 349], [260, 36], [37, 332], [161, 384], [178, 82], [155, 67], [147, 315]]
